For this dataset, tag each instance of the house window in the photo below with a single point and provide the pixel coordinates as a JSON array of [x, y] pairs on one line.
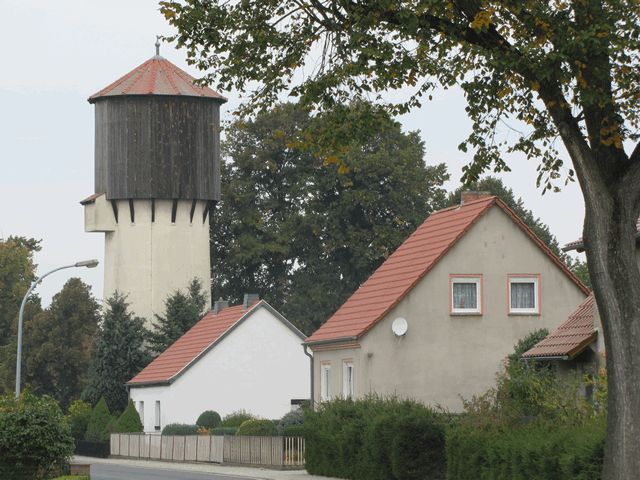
[[347, 379], [157, 425], [466, 294], [325, 378], [141, 412], [524, 294]]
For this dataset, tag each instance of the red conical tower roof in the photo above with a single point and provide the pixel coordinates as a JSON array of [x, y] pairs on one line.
[[156, 76]]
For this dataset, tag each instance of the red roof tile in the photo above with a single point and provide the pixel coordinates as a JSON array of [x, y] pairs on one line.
[[191, 345], [156, 76], [405, 267], [570, 338]]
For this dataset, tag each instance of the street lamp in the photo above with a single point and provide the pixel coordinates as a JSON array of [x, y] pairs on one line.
[[84, 263]]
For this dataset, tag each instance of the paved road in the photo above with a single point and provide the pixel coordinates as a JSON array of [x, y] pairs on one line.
[[122, 472]]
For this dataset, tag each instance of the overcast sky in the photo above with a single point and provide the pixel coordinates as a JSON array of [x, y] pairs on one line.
[[56, 54]]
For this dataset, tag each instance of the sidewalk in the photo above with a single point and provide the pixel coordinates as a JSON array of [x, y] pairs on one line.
[[258, 473]]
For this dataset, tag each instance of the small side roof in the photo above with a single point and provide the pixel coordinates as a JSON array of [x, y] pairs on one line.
[[197, 341], [578, 244], [405, 267], [571, 337]]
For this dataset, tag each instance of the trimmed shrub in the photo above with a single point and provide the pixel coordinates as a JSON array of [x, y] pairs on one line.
[[235, 419], [543, 452], [257, 427], [98, 428], [224, 431], [180, 429], [375, 439], [129, 421], [78, 419], [293, 431], [35, 439], [209, 419], [293, 417]]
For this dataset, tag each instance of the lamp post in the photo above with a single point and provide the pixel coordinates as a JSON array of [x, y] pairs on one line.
[[84, 263]]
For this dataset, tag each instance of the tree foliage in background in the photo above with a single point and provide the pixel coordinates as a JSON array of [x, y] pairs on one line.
[[78, 419], [496, 187], [303, 229], [117, 355], [57, 343], [17, 272], [182, 311], [35, 439]]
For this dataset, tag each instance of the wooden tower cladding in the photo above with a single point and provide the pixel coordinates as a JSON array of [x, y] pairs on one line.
[[157, 173]]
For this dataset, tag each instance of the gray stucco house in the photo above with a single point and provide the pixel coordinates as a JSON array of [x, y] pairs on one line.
[[436, 320]]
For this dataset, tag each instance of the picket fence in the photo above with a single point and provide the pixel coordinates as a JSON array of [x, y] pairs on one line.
[[278, 452]]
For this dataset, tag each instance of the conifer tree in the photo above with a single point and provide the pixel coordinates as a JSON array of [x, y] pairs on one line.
[[182, 311], [128, 421], [118, 354], [98, 427]]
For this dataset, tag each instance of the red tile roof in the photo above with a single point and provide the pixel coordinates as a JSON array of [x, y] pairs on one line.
[[191, 345], [156, 76], [570, 338], [405, 267]]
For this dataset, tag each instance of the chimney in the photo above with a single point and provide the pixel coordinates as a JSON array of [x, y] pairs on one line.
[[250, 299], [220, 305], [470, 196]]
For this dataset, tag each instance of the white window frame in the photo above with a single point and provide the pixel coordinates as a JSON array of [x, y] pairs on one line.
[[325, 382], [141, 412], [477, 279], [536, 294], [158, 423], [348, 384]]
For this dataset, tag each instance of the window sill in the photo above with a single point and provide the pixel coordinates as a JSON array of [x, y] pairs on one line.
[[524, 314], [465, 314]]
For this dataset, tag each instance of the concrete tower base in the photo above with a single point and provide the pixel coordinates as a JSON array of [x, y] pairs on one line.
[[152, 248]]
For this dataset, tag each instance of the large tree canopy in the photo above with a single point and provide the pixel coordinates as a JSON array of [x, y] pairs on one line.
[[564, 69], [303, 230]]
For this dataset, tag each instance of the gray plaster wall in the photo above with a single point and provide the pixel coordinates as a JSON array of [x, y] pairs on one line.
[[443, 357]]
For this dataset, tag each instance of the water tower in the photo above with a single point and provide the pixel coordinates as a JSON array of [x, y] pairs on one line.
[[157, 174]]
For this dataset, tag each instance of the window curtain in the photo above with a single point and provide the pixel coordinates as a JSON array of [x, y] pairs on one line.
[[465, 295], [523, 295]]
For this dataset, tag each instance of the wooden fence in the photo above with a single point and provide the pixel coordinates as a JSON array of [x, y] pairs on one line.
[[243, 450]]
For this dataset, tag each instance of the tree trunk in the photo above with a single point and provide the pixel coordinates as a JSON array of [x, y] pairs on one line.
[[610, 244]]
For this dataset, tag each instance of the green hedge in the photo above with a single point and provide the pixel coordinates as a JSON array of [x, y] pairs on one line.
[[293, 431], [375, 439], [224, 431], [541, 452], [257, 427], [209, 419], [235, 419], [180, 429]]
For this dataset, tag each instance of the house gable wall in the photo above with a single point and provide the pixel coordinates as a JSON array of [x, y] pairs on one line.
[[258, 367], [444, 356]]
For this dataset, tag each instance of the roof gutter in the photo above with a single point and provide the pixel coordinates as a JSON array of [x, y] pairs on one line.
[[331, 340], [306, 352], [550, 357]]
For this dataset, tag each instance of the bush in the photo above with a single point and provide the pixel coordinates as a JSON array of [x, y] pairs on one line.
[[293, 417], [375, 439], [223, 431], [78, 419], [180, 429], [93, 449], [209, 419], [100, 423], [539, 451], [35, 439], [129, 421], [236, 419], [293, 431], [256, 427]]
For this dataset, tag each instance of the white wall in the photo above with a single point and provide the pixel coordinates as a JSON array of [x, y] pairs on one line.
[[148, 260], [259, 367]]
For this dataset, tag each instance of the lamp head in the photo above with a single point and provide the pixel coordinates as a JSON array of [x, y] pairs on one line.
[[87, 263]]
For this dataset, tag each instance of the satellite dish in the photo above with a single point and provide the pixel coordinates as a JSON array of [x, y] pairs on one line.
[[399, 327]]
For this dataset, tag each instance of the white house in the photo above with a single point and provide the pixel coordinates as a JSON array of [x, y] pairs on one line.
[[244, 357]]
